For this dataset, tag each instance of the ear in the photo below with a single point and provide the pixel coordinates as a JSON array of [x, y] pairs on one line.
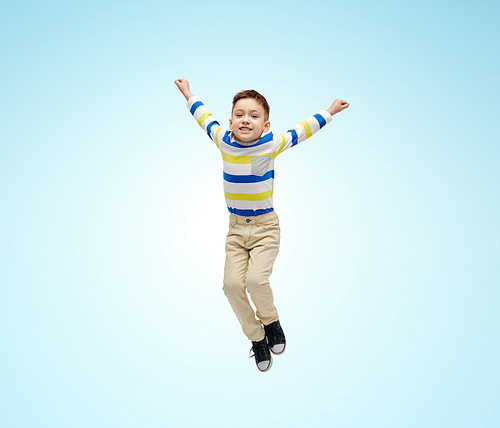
[[230, 125], [267, 125]]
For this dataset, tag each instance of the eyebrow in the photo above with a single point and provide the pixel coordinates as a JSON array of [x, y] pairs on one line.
[[251, 111]]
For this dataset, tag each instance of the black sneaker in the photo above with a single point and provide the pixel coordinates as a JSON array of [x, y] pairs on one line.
[[275, 337], [263, 357]]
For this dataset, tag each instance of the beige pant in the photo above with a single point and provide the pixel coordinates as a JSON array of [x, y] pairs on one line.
[[252, 245]]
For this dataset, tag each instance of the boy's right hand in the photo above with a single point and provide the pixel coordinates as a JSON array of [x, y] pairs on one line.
[[183, 86]]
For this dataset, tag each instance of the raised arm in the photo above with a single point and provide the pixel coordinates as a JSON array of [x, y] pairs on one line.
[[307, 128], [201, 113]]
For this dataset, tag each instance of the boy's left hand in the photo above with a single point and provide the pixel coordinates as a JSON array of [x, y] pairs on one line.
[[338, 106]]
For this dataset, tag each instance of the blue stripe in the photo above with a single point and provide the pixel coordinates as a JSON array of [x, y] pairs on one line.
[[249, 213], [226, 137], [294, 136], [210, 126], [195, 106], [265, 139], [248, 178], [321, 120]]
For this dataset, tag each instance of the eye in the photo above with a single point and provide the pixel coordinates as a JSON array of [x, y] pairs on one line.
[[255, 116]]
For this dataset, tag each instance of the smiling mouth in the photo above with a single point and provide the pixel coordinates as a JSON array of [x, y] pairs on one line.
[[245, 129]]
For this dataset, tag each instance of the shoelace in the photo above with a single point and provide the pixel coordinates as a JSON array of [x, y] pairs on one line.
[[259, 352], [274, 334]]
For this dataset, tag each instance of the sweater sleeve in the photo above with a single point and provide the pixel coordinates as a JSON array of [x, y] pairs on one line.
[[303, 130], [205, 119]]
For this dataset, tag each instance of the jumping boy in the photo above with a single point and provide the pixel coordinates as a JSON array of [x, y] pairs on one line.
[[248, 152]]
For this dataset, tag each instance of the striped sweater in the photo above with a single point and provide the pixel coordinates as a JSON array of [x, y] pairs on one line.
[[249, 167]]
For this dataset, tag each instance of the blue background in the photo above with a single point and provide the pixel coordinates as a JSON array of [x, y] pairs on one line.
[[113, 219]]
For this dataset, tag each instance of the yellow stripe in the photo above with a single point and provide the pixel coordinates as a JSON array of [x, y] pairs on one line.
[[249, 197], [243, 159], [217, 133], [236, 159], [283, 142], [307, 128], [203, 117]]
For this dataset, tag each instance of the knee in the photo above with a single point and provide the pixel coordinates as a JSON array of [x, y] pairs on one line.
[[256, 280], [232, 285]]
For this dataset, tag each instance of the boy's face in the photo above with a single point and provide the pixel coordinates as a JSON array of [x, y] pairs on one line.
[[248, 120]]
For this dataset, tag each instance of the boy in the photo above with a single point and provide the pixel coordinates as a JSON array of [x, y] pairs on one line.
[[248, 152]]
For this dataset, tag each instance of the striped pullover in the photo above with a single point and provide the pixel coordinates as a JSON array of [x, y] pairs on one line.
[[249, 167]]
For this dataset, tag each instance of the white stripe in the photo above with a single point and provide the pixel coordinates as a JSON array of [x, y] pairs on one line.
[[242, 168], [301, 133], [191, 101], [237, 169], [250, 205], [326, 115], [313, 123], [263, 186], [265, 148]]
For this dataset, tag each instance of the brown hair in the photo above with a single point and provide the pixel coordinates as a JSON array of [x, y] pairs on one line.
[[250, 93]]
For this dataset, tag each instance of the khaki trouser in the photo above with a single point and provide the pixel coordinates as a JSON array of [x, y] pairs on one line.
[[252, 245]]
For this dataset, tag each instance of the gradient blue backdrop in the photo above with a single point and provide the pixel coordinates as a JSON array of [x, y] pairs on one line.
[[112, 217]]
